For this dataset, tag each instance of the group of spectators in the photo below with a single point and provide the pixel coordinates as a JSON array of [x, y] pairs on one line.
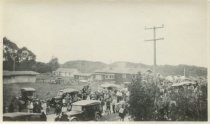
[[180, 103], [172, 103], [112, 101]]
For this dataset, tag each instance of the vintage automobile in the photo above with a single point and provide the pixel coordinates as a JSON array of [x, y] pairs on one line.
[[21, 116], [61, 94], [85, 110], [28, 93]]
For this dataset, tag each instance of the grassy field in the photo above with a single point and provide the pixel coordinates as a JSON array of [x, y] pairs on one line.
[[43, 90]]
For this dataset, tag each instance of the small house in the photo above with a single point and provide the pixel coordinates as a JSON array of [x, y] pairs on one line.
[[82, 76], [65, 72], [119, 75]]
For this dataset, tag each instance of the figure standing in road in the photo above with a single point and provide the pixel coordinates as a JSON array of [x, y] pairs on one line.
[[122, 113]]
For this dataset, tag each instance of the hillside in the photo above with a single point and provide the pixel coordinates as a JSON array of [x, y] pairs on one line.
[[84, 66], [129, 65], [91, 66], [179, 70]]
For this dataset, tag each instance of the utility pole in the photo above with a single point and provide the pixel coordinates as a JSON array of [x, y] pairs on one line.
[[154, 28]]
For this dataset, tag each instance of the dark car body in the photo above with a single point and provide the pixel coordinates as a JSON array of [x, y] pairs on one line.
[[62, 93], [21, 116], [85, 110], [28, 93]]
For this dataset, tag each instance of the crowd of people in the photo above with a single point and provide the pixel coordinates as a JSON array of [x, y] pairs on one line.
[[113, 100], [172, 103]]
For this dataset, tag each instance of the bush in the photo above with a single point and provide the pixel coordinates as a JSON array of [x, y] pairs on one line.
[[142, 97]]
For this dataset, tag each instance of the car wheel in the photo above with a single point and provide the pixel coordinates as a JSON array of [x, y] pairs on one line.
[[97, 117]]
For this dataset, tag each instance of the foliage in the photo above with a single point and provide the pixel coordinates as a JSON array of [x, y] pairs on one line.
[[17, 58], [192, 106], [142, 97], [41, 67], [23, 59], [186, 103], [9, 54], [53, 64]]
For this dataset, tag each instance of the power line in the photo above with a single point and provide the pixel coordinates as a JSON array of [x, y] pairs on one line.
[[154, 41]]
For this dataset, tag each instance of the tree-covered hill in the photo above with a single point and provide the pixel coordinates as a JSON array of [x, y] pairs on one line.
[[84, 66]]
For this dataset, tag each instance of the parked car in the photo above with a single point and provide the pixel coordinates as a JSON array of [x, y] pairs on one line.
[[85, 110], [62, 94], [27, 95], [21, 116]]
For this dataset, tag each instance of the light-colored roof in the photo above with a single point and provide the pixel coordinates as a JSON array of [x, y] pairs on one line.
[[15, 73], [28, 89], [120, 70], [86, 102], [68, 90], [71, 70]]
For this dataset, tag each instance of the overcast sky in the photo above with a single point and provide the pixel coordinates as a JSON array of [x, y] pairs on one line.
[[110, 30]]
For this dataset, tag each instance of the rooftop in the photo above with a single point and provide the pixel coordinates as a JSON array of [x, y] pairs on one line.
[[67, 70], [28, 89], [120, 70]]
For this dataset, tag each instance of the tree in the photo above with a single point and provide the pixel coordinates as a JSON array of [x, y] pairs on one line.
[[41, 67], [54, 64], [15, 58], [23, 59], [26, 59], [9, 54], [142, 97]]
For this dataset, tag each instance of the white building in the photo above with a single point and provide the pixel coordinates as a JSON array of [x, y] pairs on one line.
[[65, 72]]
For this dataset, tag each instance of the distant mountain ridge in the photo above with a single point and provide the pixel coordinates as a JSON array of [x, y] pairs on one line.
[[84, 66], [91, 66]]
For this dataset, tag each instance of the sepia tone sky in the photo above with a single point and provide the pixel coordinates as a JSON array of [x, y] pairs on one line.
[[109, 30]]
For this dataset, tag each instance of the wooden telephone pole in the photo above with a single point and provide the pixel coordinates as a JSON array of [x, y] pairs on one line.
[[154, 28]]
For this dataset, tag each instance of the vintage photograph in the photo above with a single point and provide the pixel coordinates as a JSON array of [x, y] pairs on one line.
[[104, 60]]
